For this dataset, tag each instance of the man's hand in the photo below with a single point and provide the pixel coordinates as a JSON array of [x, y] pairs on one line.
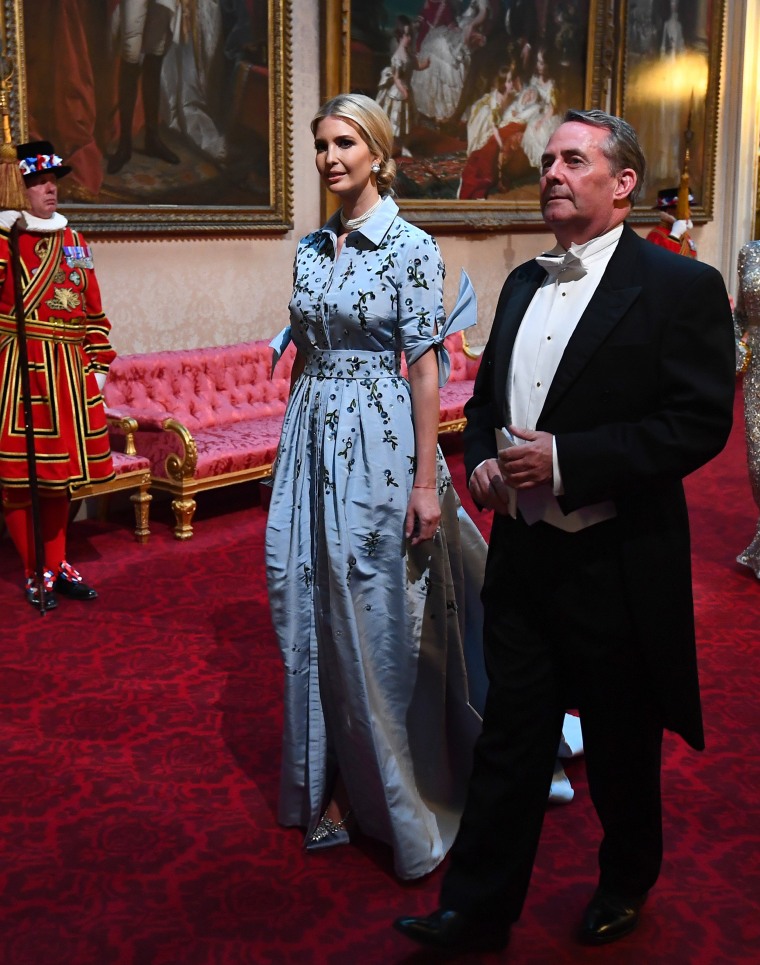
[[530, 464], [679, 228], [488, 488]]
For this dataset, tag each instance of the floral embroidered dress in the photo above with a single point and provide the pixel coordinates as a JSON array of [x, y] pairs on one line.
[[371, 629]]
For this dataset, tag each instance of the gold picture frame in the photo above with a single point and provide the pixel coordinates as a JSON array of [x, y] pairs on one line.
[[226, 120], [667, 85], [356, 55]]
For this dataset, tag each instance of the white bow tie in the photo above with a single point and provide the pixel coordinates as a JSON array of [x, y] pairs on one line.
[[567, 267]]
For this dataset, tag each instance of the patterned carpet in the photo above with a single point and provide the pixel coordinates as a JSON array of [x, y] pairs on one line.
[[139, 739]]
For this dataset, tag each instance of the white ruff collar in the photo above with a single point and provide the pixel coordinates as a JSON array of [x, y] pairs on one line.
[[28, 222], [43, 225]]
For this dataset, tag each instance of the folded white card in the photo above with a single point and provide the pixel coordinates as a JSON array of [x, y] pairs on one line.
[[505, 440]]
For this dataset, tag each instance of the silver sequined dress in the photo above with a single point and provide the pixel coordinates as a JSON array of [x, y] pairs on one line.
[[747, 316]]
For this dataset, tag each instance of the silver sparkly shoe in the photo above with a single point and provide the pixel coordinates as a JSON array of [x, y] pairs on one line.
[[751, 556], [329, 833]]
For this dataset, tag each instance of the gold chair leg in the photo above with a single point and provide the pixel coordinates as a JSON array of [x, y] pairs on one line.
[[141, 501], [183, 513]]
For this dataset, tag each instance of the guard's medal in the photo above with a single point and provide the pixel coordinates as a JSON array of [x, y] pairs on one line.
[[78, 256]]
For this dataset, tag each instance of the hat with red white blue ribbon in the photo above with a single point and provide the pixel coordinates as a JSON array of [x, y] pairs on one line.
[[38, 157]]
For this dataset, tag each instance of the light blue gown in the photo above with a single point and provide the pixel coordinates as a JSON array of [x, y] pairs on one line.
[[371, 629]]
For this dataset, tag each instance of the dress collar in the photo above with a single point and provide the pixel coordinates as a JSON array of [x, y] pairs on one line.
[[373, 230]]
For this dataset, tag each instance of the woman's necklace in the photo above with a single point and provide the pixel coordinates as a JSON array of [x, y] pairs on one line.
[[350, 224]]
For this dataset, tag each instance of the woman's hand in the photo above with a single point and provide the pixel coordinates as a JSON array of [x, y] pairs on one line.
[[423, 514]]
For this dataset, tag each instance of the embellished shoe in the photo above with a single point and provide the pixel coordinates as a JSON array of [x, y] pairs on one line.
[[69, 583], [329, 833], [33, 593]]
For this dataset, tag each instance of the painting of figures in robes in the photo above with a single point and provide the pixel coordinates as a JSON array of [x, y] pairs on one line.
[[170, 112], [474, 89]]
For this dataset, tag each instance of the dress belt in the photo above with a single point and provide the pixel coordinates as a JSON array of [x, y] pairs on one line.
[[47, 331], [348, 364]]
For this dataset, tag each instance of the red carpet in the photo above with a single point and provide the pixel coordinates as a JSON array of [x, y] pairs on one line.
[[139, 740]]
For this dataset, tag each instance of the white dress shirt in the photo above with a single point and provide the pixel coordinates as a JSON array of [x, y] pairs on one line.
[[545, 330]]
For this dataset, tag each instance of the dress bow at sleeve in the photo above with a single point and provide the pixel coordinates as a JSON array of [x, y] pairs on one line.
[[278, 345], [463, 315]]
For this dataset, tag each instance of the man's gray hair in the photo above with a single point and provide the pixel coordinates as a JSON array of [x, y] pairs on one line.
[[622, 148]]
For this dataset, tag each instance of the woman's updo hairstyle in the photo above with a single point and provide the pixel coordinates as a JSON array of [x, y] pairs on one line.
[[373, 125]]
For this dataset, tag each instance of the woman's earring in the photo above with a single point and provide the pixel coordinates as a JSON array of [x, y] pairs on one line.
[[375, 169]]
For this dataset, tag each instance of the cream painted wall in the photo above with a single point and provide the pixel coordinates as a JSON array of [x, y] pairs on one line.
[[185, 293]]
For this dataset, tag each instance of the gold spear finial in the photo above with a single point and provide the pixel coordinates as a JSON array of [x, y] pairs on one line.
[[13, 195], [683, 209]]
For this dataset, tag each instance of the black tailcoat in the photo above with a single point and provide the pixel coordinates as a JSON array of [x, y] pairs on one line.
[[642, 397]]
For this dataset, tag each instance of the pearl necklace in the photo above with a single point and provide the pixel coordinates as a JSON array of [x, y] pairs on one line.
[[350, 224]]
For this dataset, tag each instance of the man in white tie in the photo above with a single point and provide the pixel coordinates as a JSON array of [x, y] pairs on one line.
[[610, 364]]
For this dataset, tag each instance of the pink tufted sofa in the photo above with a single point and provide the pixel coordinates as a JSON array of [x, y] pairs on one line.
[[206, 417], [212, 417]]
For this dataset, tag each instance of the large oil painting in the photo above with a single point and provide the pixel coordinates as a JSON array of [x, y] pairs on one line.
[[172, 113], [474, 89], [668, 90]]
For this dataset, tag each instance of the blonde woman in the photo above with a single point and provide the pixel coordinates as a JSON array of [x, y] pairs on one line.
[[364, 545]]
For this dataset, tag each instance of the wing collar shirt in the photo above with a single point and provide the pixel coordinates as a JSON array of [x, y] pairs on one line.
[[545, 330]]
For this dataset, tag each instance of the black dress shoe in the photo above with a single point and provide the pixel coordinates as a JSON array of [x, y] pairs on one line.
[[609, 917], [74, 591], [69, 583], [451, 931], [33, 593]]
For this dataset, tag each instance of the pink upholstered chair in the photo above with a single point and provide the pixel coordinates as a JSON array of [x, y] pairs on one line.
[[206, 417], [132, 472]]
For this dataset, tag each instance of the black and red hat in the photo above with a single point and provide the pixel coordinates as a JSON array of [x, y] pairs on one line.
[[37, 157]]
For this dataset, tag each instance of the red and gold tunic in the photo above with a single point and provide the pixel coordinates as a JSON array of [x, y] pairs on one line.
[[660, 235], [67, 342]]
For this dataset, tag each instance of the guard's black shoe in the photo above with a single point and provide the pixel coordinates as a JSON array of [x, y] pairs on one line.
[[450, 931], [609, 917], [69, 583], [33, 593]]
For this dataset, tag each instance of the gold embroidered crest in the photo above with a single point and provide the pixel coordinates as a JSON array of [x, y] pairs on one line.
[[41, 248], [63, 300]]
